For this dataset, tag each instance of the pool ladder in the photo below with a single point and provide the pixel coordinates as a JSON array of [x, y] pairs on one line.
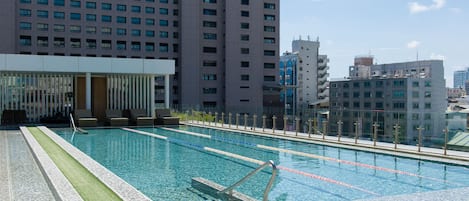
[[271, 163], [72, 123]]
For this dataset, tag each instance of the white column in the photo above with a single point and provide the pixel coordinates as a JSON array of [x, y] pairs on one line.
[[152, 96], [166, 91], [88, 91]]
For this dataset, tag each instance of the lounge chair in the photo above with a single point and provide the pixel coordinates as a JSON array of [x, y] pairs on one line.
[[140, 117], [163, 117], [115, 118], [85, 118]]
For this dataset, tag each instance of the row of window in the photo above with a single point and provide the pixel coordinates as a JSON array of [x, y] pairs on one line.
[[243, 51], [88, 4], [380, 94], [380, 83], [244, 77], [59, 42], [243, 64], [379, 105], [244, 2]]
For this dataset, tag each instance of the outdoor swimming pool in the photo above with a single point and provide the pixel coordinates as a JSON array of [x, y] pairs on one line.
[[162, 169]]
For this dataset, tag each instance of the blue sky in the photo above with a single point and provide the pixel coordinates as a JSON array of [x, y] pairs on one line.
[[391, 30]]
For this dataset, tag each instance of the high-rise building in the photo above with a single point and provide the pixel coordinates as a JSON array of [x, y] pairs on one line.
[[459, 78], [225, 51], [410, 94], [303, 76]]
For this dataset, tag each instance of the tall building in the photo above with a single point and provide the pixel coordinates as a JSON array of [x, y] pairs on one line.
[[411, 94], [459, 78], [303, 76], [225, 51]]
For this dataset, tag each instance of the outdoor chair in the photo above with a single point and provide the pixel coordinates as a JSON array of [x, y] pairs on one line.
[[85, 118], [115, 118], [163, 117]]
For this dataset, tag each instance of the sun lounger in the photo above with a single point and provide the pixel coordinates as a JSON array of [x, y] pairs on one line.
[[85, 118], [115, 118], [140, 117], [163, 117]]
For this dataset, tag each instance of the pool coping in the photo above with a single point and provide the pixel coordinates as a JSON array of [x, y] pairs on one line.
[[382, 147], [61, 188], [123, 189]]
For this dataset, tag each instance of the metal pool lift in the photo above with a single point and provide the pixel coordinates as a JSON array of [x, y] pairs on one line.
[[220, 192]]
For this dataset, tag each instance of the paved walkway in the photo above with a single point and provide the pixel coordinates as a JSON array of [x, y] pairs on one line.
[[20, 176]]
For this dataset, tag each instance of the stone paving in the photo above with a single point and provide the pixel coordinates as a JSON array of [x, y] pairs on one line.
[[20, 176]]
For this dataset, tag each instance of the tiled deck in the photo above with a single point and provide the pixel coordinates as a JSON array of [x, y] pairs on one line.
[[20, 176]]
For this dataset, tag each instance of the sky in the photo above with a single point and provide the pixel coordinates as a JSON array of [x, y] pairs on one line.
[[390, 30]]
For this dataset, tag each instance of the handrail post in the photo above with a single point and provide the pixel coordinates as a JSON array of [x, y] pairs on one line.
[[222, 119], [245, 121], [339, 130], [357, 124], [263, 122], [324, 129], [216, 119], [420, 128], [237, 120], [396, 135], [309, 127], [274, 118], [210, 117], [375, 133], [285, 119], [297, 121], [229, 120], [446, 141], [203, 118], [254, 122]]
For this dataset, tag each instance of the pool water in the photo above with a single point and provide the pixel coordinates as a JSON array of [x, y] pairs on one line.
[[162, 169]]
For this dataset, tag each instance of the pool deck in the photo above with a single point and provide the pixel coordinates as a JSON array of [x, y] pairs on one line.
[[459, 194]]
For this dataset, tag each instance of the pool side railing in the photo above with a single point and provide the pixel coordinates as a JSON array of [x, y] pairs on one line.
[[315, 130]]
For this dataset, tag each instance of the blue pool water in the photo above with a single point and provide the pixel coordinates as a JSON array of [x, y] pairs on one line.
[[162, 169]]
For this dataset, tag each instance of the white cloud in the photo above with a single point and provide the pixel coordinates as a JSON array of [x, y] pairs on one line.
[[415, 7], [413, 44], [437, 56]]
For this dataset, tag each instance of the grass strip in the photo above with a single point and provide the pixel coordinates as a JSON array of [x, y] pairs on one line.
[[87, 185]]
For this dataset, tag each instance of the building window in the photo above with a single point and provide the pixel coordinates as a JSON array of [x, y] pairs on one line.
[[428, 83], [106, 30], [164, 34], [59, 3], [135, 45], [209, 24], [175, 12], [415, 84], [209, 12], [135, 9], [163, 11], [175, 34], [25, 1], [42, 27], [106, 44], [121, 7], [269, 28], [379, 84], [42, 41], [210, 50], [121, 45], [42, 13], [209, 1], [379, 94], [26, 12], [91, 30], [269, 52], [75, 3], [164, 23], [149, 33], [244, 2], [415, 105], [136, 32], [25, 40], [135, 20], [75, 16], [269, 17], [398, 94], [121, 32], [75, 28], [209, 63], [244, 64], [165, 1], [106, 6], [59, 27], [244, 25], [121, 19], [209, 77], [25, 25], [90, 17], [269, 78], [209, 90], [210, 36], [106, 18], [244, 13], [90, 5], [164, 47], [175, 23], [356, 94], [59, 15], [75, 42], [428, 94], [269, 65], [59, 42], [91, 43], [150, 21], [367, 94], [244, 77], [428, 106], [269, 40], [245, 37], [244, 50], [269, 6], [149, 47]]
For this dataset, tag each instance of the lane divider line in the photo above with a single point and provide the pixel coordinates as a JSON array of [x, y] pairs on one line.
[[255, 161]]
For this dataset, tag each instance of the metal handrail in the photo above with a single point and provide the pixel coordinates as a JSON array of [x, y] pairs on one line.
[[267, 188], [72, 122]]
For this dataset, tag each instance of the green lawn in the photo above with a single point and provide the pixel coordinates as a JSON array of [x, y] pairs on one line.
[[87, 185]]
